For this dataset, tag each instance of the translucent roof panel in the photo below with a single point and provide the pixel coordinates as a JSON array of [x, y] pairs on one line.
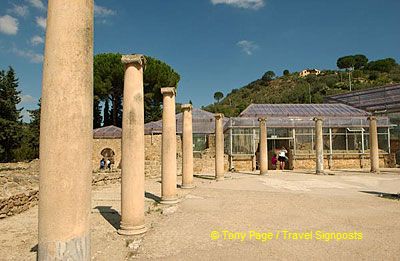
[[384, 99], [302, 110], [305, 122]]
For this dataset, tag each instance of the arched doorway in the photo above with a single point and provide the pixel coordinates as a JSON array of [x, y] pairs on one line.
[[108, 155]]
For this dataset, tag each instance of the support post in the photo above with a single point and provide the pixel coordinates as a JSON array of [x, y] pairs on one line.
[[373, 141], [219, 147], [66, 132], [330, 150], [132, 181], [168, 150], [319, 147], [187, 147], [263, 147]]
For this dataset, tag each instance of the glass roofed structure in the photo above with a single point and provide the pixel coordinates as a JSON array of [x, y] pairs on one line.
[[345, 134]]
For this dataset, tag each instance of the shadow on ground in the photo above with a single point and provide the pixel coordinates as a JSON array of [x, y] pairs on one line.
[[383, 194], [110, 214], [204, 177], [34, 249], [152, 196]]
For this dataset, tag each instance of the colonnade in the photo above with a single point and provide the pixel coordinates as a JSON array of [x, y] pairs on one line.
[[65, 175]]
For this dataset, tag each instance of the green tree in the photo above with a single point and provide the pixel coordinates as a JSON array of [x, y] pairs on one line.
[[108, 77], [286, 72], [109, 83], [157, 74], [97, 118], [218, 96], [357, 61], [29, 148], [10, 125], [268, 76], [383, 65]]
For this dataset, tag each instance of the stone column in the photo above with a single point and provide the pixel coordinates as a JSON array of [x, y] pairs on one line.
[[168, 151], [373, 143], [219, 147], [263, 147], [187, 147], [319, 146], [66, 132], [132, 181]]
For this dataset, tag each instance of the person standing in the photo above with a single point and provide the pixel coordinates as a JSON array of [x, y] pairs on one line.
[[282, 157]]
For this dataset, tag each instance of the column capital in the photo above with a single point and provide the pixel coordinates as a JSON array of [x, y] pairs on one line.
[[186, 107], [372, 118], [218, 116], [262, 119], [168, 91], [134, 59], [318, 119]]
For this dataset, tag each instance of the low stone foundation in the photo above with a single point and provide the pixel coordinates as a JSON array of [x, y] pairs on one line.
[[18, 203], [246, 163], [21, 191]]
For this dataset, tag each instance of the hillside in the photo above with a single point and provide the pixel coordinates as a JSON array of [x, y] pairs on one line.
[[291, 88]]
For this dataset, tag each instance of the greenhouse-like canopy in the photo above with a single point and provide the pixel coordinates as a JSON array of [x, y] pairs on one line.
[[379, 100]]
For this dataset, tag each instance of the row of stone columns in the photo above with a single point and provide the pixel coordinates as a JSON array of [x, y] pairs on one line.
[[319, 147], [373, 143]]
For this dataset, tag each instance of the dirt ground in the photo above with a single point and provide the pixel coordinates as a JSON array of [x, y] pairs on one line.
[[284, 215]]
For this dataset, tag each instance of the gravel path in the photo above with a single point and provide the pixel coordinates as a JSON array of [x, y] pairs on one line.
[[253, 213]]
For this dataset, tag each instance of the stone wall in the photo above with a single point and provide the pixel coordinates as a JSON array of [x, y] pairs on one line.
[[245, 163], [341, 162], [20, 191], [203, 162]]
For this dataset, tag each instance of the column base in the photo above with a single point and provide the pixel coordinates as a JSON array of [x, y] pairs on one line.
[[375, 171], [132, 231], [264, 173], [169, 201], [320, 172], [187, 186], [220, 178]]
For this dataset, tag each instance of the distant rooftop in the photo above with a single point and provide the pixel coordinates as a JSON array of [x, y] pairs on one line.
[[109, 132]]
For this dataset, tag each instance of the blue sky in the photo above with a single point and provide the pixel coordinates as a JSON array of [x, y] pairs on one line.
[[215, 45]]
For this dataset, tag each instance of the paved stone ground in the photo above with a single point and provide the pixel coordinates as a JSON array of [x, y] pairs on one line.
[[349, 201]]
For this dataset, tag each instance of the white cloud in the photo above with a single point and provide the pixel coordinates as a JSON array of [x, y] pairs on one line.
[[20, 10], [41, 21], [247, 4], [8, 25], [103, 11], [31, 55], [37, 3], [27, 99], [247, 46], [36, 40]]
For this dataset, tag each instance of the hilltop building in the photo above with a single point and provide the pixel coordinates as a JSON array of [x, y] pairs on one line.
[[306, 72]]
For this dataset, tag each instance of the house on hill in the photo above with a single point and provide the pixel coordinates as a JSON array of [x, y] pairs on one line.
[[306, 72]]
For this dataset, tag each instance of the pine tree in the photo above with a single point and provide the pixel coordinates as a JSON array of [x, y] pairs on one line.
[[97, 119], [10, 125]]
